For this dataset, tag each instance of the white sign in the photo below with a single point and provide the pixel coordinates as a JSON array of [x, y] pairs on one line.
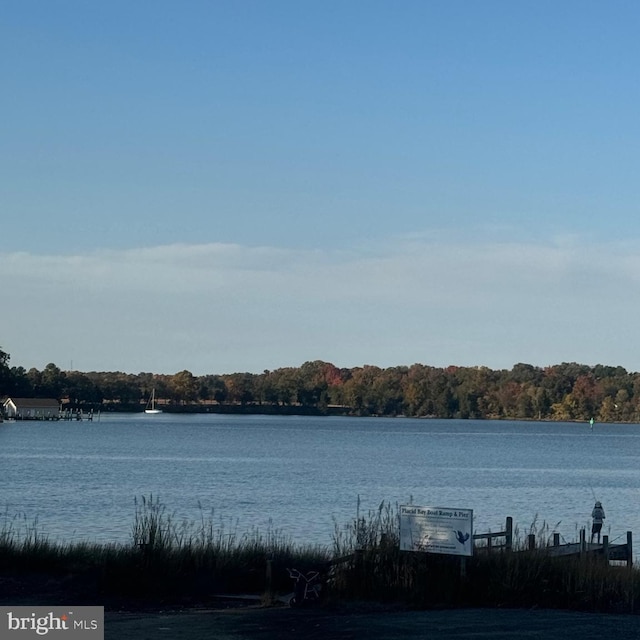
[[436, 530]]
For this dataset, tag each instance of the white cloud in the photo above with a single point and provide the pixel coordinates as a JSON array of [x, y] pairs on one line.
[[214, 308]]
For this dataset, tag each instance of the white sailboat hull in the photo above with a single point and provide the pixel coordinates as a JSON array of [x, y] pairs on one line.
[[151, 405]]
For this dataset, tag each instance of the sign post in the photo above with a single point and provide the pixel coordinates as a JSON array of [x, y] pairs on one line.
[[441, 530]]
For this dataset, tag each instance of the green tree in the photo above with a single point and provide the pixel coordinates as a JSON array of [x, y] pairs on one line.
[[19, 385], [6, 379], [80, 389], [53, 381], [184, 387], [284, 385], [212, 387], [240, 387]]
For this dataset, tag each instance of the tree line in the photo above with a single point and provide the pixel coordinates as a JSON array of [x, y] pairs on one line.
[[567, 391]]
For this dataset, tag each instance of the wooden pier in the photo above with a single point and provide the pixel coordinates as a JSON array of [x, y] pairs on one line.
[[507, 534], [612, 552], [43, 409], [66, 414], [77, 414]]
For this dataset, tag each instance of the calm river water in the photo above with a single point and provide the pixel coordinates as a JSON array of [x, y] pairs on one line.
[[301, 475]]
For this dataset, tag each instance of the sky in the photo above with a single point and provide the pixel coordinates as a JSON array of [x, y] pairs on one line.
[[241, 185]]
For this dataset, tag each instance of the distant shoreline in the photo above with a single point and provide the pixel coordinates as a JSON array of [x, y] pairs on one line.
[[249, 409]]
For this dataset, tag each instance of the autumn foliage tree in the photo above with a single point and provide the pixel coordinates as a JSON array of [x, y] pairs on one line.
[[567, 391]]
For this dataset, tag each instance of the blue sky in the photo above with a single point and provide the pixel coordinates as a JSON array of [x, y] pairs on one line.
[[237, 186]]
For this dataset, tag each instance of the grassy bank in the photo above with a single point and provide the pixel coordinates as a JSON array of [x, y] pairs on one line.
[[176, 561], [166, 558]]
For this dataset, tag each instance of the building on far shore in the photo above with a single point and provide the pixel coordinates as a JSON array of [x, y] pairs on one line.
[[31, 408]]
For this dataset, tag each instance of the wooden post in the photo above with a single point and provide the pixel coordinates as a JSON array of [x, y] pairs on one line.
[[489, 544], [463, 567], [358, 565], [509, 534], [630, 566], [268, 576], [583, 541], [605, 548], [556, 539], [532, 541]]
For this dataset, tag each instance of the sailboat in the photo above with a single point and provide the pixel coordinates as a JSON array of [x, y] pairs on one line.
[[151, 405]]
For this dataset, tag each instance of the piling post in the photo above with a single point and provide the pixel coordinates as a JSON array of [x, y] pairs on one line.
[[509, 534], [556, 539], [358, 565], [629, 550], [532, 541], [583, 541], [605, 548], [268, 576]]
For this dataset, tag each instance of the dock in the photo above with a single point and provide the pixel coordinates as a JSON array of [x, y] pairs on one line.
[[612, 552], [77, 414], [618, 553], [66, 414]]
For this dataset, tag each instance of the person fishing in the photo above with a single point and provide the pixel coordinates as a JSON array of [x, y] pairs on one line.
[[598, 516]]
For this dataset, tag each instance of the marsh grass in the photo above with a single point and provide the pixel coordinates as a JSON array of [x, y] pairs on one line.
[[377, 570], [215, 552], [169, 558]]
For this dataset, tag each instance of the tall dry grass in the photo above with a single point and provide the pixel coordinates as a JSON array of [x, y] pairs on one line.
[[166, 556], [375, 569], [170, 558]]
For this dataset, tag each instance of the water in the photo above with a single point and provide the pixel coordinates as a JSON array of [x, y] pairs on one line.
[[301, 475]]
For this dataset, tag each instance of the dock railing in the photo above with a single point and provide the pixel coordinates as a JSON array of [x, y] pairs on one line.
[[505, 545], [611, 552]]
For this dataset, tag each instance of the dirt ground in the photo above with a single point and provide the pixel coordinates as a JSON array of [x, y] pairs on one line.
[[284, 624], [245, 619]]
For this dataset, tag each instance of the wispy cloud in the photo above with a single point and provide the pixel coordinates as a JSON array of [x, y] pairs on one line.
[[226, 307]]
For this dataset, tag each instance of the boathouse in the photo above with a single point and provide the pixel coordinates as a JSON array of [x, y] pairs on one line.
[[31, 408]]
